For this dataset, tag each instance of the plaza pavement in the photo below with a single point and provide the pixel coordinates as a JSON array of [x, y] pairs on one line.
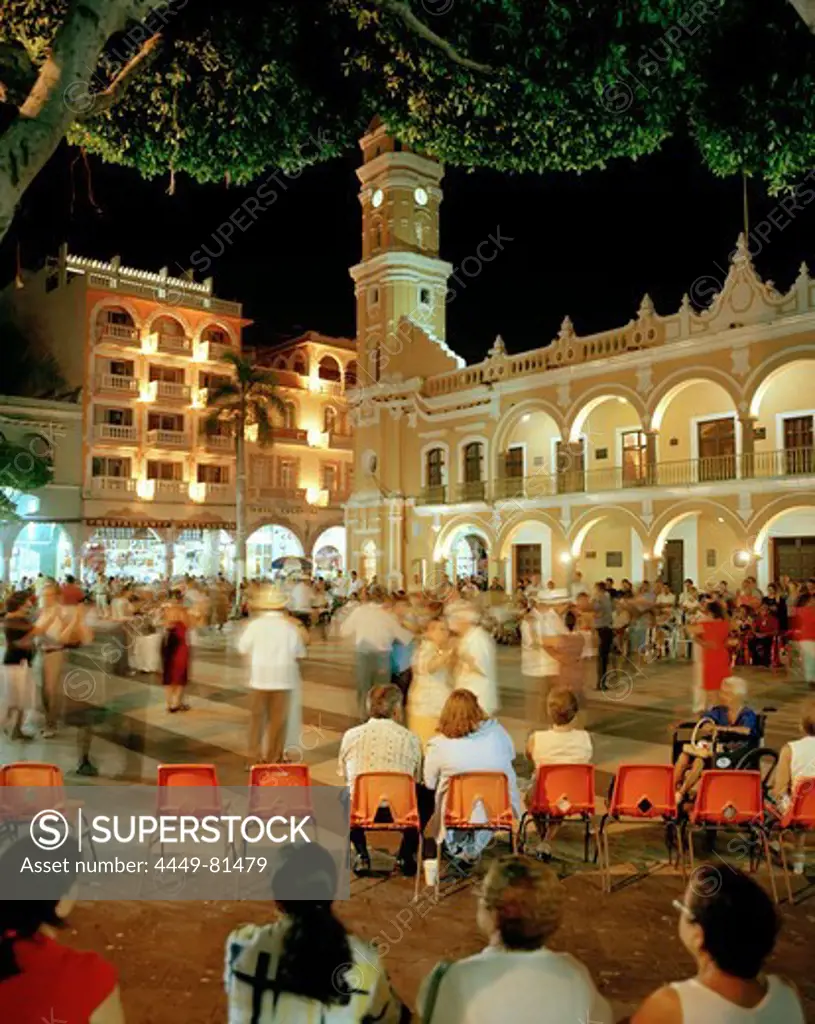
[[631, 723]]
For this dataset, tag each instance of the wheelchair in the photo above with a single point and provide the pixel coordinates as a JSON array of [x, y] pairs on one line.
[[725, 749]]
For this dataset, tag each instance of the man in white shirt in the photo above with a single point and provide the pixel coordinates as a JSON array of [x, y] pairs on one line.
[[382, 744], [373, 628], [516, 978], [354, 584], [301, 601], [578, 587], [540, 630], [274, 643]]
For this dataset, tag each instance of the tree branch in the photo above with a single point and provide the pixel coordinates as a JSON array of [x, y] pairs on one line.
[[403, 10], [109, 97]]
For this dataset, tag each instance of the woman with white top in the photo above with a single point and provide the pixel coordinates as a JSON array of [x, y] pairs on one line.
[[729, 925], [468, 741], [475, 668], [796, 761], [431, 684], [52, 625], [517, 977]]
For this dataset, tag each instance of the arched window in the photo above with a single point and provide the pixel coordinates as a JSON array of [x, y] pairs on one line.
[[329, 420], [215, 334], [168, 326], [473, 462], [351, 374], [298, 364], [290, 416], [329, 369], [280, 363], [435, 467]]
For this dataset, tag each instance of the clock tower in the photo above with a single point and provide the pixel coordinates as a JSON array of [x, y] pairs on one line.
[[400, 275]]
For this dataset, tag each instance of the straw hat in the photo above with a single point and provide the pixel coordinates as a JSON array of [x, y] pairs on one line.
[[556, 596], [268, 598]]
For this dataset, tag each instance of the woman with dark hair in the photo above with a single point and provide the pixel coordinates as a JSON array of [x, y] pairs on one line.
[[305, 966], [712, 636], [729, 926], [175, 653], [18, 692], [40, 979]]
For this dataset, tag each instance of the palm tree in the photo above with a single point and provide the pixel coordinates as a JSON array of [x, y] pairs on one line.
[[246, 400]]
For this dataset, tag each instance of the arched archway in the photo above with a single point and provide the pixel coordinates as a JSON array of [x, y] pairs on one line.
[[526, 444], [764, 377], [329, 552], [42, 548], [784, 538], [268, 544], [606, 445], [329, 369], [608, 541], [781, 401], [699, 437], [370, 561]]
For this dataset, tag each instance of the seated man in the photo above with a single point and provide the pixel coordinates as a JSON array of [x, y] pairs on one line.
[[383, 744], [737, 732]]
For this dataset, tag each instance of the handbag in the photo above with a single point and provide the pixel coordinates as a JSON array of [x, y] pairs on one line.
[[433, 985]]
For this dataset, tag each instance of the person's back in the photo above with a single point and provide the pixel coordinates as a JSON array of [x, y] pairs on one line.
[[699, 1004], [537, 986]]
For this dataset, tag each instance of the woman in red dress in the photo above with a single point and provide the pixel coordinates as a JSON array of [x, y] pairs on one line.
[[712, 634], [175, 654], [40, 979]]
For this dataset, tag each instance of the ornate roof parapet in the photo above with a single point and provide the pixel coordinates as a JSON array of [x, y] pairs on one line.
[[498, 348]]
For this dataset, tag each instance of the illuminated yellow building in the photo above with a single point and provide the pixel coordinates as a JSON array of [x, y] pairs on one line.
[[677, 444]]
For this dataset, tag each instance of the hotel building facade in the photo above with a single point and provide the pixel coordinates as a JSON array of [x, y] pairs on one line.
[[678, 445], [157, 491]]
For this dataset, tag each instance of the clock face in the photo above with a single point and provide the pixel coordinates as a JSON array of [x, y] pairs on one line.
[[420, 196], [377, 198]]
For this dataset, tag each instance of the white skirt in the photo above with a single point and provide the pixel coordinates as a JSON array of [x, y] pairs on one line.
[[17, 687]]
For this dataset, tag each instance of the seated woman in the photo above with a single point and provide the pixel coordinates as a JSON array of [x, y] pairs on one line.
[[729, 926], [742, 726], [37, 973], [765, 631], [564, 743], [305, 966], [468, 741], [743, 633], [517, 977], [796, 761]]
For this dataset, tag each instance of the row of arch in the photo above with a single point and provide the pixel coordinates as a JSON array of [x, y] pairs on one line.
[[334, 420], [329, 367], [754, 532], [175, 323]]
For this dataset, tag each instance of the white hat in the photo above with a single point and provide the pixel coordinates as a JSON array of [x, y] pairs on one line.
[[463, 611], [556, 596], [268, 598]]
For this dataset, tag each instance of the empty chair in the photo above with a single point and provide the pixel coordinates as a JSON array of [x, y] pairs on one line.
[[562, 793], [386, 802]]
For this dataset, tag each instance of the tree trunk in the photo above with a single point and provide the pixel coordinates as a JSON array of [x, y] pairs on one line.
[[62, 92], [240, 503]]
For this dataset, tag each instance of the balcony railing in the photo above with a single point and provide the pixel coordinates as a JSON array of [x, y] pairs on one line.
[[115, 382], [336, 440], [118, 485], [171, 490], [119, 334], [265, 492], [329, 387], [219, 493], [168, 439], [216, 442], [290, 434], [173, 391], [115, 432], [179, 343], [680, 473]]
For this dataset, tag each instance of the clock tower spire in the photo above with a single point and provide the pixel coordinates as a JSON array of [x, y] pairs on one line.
[[400, 275]]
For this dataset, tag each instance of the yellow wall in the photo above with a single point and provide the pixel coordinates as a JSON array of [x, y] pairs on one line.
[[699, 400]]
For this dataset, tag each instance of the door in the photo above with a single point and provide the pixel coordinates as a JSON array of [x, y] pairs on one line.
[[527, 559], [798, 444], [571, 466], [717, 449], [794, 557], [673, 558], [635, 458]]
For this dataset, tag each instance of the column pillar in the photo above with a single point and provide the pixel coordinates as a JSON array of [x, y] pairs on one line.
[[169, 551], [651, 457], [746, 465]]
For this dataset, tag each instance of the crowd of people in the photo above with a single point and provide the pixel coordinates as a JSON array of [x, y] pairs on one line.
[[428, 695]]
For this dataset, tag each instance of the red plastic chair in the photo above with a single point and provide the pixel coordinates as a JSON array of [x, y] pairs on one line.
[[199, 796], [798, 820], [264, 782], [641, 793], [395, 792], [732, 799], [28, 787], [468, 791], [563, 792]]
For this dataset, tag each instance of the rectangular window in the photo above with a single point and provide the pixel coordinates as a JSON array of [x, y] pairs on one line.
[[570, 467], [435, 468], [287, 475], [634, 457], [166, 373], [798, 444], [328, 476], [212, 474], [118, 417], [121, 367], [164, 470], [165, 421], [102, 466], [717, 449], [212, 380]]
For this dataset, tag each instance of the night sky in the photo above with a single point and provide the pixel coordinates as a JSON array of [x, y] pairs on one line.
[[588, 245]]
